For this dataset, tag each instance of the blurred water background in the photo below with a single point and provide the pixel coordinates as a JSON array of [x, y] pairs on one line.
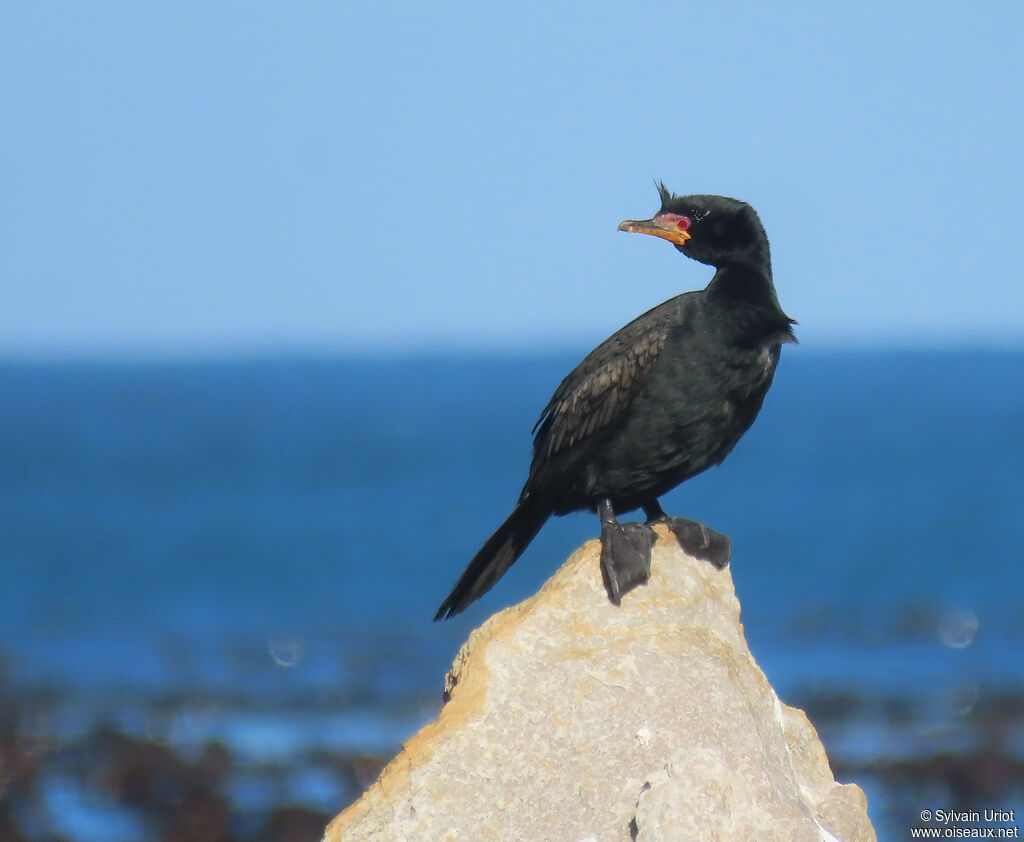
[[219, 577]]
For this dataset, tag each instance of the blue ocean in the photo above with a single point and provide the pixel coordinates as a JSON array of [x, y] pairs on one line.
[[224, 574]]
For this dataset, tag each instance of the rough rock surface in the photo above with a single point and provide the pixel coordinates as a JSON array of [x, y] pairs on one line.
[[571, 719]]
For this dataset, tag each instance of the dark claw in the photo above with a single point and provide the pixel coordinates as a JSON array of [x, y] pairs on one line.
[[625, 557], [700, 541]]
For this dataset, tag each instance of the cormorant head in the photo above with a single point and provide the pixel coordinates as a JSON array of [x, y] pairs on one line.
[[712, 229]]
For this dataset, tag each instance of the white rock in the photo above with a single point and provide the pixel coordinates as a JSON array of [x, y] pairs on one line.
[[571, 719]]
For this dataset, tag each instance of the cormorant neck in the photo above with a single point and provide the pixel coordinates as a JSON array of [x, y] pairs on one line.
[[757, 257], [747, 281]]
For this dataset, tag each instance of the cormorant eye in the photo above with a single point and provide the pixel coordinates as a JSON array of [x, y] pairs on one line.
[[684, 223]]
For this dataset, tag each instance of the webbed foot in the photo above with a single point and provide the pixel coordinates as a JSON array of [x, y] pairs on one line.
[[625, 553], [694, 537]]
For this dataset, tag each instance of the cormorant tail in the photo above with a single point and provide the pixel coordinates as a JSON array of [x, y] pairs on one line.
[[495, 557]]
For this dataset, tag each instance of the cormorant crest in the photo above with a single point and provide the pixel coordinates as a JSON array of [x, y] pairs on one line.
[[666, 194]]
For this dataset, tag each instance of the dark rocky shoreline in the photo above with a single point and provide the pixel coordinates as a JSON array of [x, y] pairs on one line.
[[111, 784], [977, 764]]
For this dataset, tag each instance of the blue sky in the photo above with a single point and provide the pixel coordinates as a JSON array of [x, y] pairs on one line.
[[245, 177]]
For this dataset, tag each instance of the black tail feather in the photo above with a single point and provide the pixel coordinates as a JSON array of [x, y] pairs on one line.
[[495, 557]]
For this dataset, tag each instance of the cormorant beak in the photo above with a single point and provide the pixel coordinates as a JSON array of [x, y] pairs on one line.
[[664, 225]]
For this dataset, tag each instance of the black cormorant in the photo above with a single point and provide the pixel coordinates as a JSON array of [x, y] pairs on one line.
[[661, 400]]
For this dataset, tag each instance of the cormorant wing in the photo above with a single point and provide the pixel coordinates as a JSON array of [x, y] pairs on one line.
[[598, 392]]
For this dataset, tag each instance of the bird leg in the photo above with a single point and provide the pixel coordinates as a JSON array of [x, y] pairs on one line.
[[625, 553], [694, 537]]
